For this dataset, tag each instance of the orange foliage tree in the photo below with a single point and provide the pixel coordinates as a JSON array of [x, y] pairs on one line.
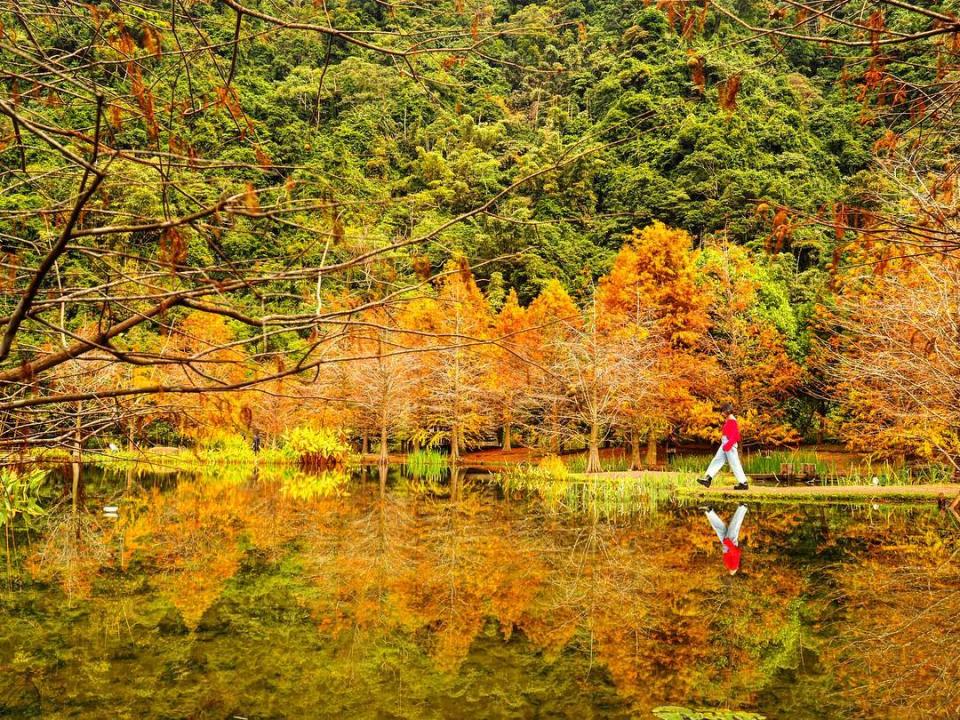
[[456, 404], [378, 375], [205, 342], [554, 320], [756, 371], [512, 369], [654, 280], [593, 370], [894, 362]]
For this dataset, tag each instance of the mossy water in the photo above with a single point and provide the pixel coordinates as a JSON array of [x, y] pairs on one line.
[[222, 594]]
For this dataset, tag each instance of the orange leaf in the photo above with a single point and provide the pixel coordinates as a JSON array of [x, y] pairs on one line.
[[250, 199], [728, 91]]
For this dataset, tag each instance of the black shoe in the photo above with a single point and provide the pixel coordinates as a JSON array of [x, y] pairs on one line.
[[705, 481], [741, 486]]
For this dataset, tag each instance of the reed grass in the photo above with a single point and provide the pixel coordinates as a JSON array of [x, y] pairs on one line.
[[756, 463], [885, 473], [613, 463]]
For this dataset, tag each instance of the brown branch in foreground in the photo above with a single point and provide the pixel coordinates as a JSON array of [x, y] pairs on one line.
[[86, 192]]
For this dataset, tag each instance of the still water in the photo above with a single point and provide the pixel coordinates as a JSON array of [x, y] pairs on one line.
[[283, 595]]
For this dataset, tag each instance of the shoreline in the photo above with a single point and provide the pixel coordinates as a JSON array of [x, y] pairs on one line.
[[832, 492]]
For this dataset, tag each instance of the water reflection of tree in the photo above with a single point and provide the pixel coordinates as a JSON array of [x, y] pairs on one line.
[[75, 544], [193, 538], [396, 573], [74, 548], [648, 602], [408, 592], [422, 566], [896, 645]]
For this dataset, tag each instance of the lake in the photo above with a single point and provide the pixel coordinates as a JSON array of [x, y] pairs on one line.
[[276, 594]]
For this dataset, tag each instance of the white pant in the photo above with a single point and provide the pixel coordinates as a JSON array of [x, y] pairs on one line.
[[731, 531], [731, 458]]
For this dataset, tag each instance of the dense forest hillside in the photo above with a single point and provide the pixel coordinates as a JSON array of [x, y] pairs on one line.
[[433, 223], [397, 150]]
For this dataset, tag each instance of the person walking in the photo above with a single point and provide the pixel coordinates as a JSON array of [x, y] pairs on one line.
[[727, 453], [729, 536]]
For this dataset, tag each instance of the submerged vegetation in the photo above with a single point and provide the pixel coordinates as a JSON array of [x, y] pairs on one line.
[[680, 713]]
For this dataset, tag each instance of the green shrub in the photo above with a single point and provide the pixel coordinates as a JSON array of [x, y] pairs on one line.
[[319, 447], [283, 455], [552, 467], [226, 447]]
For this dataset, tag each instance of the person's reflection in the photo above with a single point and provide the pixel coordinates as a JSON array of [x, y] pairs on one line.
[[729, 535]]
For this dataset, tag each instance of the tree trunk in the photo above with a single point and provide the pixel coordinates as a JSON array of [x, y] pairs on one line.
[[593, 459], [634, 449], [651, 448], [365, 444], [383, 443], [507, 440], [454, 445], [414, 444]]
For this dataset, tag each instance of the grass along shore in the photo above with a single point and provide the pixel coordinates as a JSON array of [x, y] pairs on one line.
[[685, 485]]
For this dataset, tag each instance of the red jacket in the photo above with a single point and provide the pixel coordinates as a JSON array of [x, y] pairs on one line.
[[731, 431], [731, 555]]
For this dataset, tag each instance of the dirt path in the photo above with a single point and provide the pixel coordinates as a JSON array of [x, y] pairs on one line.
[[929, 492], [831, 492]]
